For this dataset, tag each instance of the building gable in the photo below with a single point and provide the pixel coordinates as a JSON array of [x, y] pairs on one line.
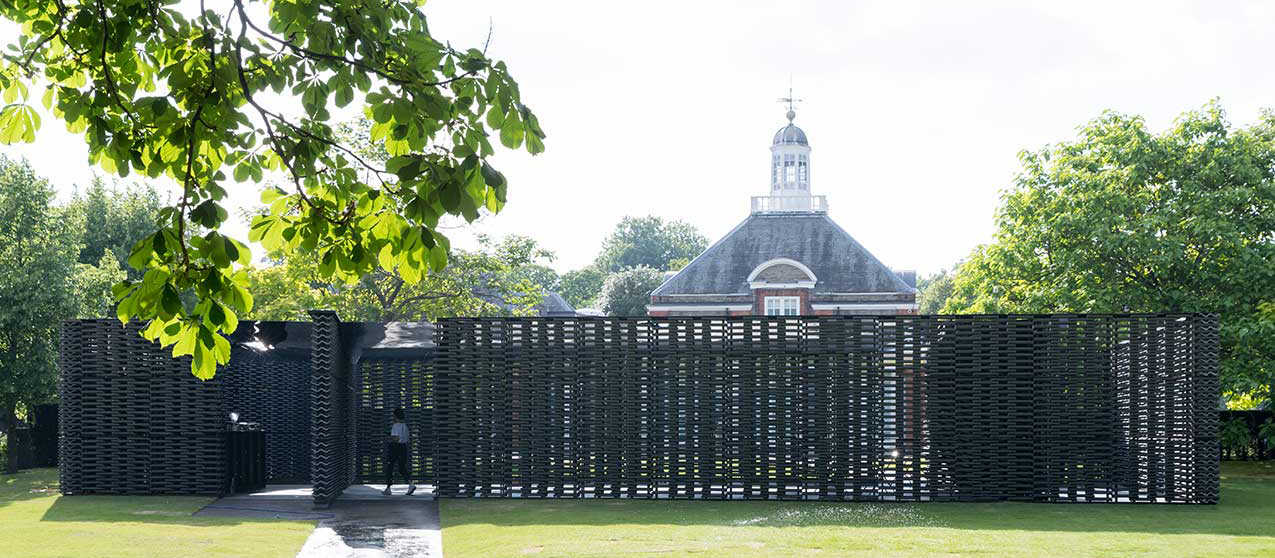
[[839, 262]]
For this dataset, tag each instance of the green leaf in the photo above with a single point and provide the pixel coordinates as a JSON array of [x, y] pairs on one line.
[[231, 249], [394, 164], [511, 134], [218, 254], [344, 95], [385, 257], [534, 145], [18, 123], [327, 264], [495, 118], [437, 258], [409, 171], [450, 196], [491, 176], [172, 303], [203, 363], [493, 203], [140, 256], [186, 342], [159, 244], [269, 195], [216, 314]]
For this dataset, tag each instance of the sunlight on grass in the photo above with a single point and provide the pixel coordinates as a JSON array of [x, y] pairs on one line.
[[1242, 525], [36, 522]]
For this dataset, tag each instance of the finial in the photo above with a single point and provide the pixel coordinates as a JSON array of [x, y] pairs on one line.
[[791, 101]]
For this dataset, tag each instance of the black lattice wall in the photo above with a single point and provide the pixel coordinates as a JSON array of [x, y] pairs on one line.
[[881, 408], [134, 421], [905, 408], [275, 392]]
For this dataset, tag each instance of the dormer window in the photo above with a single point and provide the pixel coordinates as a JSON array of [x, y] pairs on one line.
[[783, 306]]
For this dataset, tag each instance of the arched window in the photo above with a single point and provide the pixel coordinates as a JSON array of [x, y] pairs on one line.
[[782, 273]]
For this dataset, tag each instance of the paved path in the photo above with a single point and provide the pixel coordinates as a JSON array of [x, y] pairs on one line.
[[361, 524]]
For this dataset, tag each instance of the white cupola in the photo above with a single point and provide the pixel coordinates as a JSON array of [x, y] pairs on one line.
[[790, 161], [790, 172]]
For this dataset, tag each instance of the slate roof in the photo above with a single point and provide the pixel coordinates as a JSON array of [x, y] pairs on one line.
[[840, 263], [551, 305], [554, 305]]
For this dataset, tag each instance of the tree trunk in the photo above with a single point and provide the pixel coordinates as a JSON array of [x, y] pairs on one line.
[[9, 418]]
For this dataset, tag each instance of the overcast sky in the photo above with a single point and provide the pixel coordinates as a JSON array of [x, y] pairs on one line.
[[915, 111]]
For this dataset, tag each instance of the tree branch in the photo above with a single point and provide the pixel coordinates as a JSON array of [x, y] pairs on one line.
[[106, 68], [311, 54]]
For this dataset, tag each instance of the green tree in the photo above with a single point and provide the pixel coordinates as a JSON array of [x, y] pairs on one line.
[[37, 258], [581, 287], [933, 291], [91, 286], [113, 219], [540, 275], [649, 241], [480, 283], [207, 97], [1123, 218], [526, 261], [626, 293]]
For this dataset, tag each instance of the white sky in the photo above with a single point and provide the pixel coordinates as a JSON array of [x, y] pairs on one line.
[[915, 111]]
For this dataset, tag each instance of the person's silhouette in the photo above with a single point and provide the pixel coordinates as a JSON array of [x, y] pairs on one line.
[[396, 453]]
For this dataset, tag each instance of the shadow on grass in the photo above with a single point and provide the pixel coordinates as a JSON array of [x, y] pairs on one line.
[[1247, 508], [28, 485], [169, 510]]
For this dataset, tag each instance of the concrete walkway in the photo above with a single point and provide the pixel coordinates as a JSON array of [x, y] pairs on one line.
[[362, 523]]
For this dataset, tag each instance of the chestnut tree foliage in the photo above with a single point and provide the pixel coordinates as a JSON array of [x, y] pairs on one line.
[[218, 94]]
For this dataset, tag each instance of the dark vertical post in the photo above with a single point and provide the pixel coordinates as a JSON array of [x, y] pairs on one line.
[[331, 399], [70, 461], [1206, 383]]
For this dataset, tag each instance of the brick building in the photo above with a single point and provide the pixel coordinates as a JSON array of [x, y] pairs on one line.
[[787, 258]]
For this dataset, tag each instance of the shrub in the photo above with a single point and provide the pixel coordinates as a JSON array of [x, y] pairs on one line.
[[1236, 437], [1267, 432]]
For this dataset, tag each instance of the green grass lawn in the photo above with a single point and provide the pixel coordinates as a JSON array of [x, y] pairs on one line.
[[1243, 524], [36, 522]]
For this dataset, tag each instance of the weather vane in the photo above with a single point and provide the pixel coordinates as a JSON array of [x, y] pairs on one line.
[[791, 102]]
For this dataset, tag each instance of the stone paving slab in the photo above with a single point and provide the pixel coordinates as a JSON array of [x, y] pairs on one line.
[[385, 529], [362, 523]]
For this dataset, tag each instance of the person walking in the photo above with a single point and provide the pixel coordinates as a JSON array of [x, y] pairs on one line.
[[396, 453]]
